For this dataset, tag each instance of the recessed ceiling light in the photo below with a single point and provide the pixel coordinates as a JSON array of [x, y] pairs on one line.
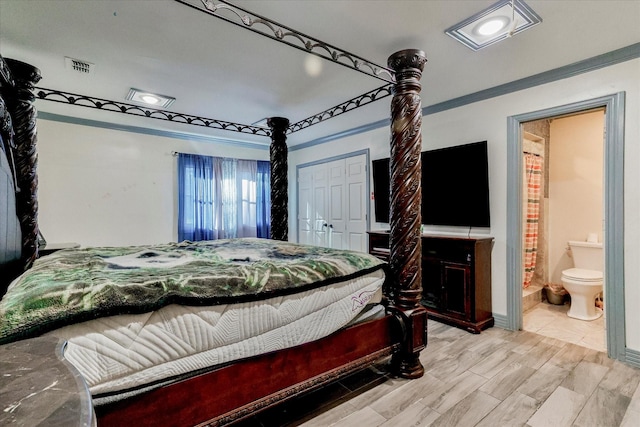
[[492, 25], [149, 98], [499, 21]]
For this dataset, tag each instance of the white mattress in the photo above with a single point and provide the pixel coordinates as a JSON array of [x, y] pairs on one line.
[[120, 353]]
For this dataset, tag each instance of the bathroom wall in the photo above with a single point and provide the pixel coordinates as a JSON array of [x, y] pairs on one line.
[[575, 184]]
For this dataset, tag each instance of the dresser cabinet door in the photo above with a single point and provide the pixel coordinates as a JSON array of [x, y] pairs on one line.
[[432, 296], [456, 279]]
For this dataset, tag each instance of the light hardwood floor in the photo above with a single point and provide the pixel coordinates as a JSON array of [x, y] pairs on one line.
[[494, 379]]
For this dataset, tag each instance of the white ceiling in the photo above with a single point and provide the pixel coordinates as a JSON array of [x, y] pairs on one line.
[[218, 70]]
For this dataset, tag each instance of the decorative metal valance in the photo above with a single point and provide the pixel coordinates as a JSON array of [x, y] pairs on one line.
[[269, 28], [352, 104], [266, 27], [136, 110]]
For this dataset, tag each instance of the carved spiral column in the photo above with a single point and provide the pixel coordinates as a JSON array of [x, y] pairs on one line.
[[23, 114], [405, 238], [279, 180]]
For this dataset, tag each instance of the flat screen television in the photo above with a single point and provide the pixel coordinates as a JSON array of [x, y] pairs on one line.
[[455, 186]]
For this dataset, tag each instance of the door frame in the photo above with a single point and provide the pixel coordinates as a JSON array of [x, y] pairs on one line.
[[613, 198], [331, 159]]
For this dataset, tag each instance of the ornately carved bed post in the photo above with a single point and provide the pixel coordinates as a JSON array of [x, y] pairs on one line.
[[23, 114], [279, 180], [405, 238]]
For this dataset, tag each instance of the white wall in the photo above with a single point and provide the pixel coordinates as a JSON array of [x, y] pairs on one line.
[[575, 185], [101, 187], [487, 120]]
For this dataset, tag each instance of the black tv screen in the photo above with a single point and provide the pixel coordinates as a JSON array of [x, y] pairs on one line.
[[381, 183], [455, 186]]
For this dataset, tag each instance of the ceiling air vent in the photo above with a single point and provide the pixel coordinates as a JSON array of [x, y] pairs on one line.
[[83, 67]]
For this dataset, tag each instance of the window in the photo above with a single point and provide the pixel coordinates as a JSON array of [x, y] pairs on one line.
[[221, 198]]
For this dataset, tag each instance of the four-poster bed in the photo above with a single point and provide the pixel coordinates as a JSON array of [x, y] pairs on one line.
[[235, 389]]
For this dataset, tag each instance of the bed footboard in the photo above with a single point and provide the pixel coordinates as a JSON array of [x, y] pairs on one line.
[[241, 389]]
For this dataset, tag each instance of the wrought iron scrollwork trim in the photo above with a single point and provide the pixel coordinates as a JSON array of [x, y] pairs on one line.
[[136, 110], [281, 33], [352, 104]]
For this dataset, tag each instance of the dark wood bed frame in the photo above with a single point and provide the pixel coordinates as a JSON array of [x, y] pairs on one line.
[[240, 389]]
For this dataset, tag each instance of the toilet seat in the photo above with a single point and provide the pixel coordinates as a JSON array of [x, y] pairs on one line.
[[582, 275]]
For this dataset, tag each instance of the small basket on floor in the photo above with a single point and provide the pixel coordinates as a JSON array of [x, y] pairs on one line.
[[555, 293]]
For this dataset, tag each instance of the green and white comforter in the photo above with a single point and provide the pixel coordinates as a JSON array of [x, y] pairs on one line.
[[76, 285]]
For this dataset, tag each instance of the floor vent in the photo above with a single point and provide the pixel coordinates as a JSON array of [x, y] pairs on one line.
[[83, 67]]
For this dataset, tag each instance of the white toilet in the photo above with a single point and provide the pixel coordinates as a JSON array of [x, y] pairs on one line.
[[584, 281]]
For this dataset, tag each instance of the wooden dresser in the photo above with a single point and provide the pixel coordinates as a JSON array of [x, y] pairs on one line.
[[456, 277]]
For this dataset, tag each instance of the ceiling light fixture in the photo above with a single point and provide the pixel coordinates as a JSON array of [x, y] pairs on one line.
[[492, 26], [148, 98], [497, 22]]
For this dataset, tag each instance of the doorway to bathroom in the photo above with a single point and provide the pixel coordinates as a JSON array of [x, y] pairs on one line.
[[562, 201], [610, 230]]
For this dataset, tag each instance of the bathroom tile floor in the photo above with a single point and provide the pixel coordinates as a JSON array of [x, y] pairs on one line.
[[552, 321]]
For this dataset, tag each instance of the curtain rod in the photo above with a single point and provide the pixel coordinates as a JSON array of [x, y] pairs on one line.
[[532, 153], [176, 153]]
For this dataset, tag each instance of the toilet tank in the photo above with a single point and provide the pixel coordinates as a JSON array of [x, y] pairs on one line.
[[587, 255]]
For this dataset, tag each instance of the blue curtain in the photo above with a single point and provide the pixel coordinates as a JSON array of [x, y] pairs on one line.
[[263, 199], [195, 197], [229, 198], [222, 198]]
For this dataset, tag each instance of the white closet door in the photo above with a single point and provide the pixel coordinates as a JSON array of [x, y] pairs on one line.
[[336, 237], [332, 201], [305, 206], [320, 202], [356, 203]]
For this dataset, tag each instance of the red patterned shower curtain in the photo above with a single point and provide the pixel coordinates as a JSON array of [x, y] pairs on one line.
[[533, 177]]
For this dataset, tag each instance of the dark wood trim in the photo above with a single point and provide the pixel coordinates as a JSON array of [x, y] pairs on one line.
[[19, 101], [405, 218], [279, 179]]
